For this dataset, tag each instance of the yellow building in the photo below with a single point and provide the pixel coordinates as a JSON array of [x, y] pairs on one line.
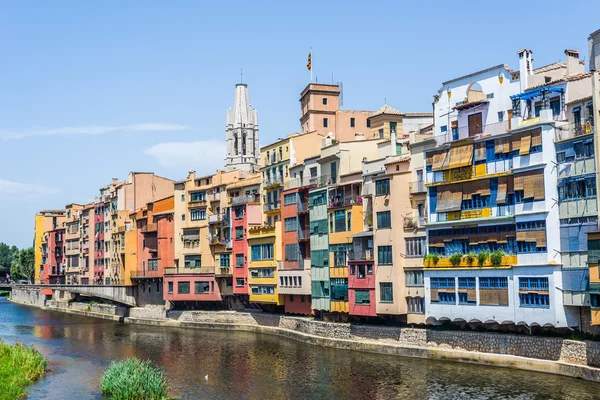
[[130, 252], [264, 243], [45, 221], [275, 163]]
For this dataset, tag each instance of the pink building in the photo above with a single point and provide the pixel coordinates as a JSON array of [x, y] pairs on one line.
[[361, 276], [53, 271]]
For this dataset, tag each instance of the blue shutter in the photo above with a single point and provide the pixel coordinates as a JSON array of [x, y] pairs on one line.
[[432, 199]]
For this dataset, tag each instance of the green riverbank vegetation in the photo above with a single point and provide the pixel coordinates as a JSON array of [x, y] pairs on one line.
[[134, 379], [20, 366]]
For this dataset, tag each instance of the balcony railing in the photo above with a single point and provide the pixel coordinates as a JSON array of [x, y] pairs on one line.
[[362, 255], [291, 264], [417, 187], [148, 228], [223, 271], [323, 180], [219, 218], [344, 201], [302, 207], [245, 199], [574, 130], [214, 197], [190, 270], [272, 182], [145, 274], [463, 132], [272, 206]]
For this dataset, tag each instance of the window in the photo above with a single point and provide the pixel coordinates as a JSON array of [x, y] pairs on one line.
[[413, 278], [560, 157], [352, 269], [444, 128], [415, 246], [262, 251], [362, 297], [361, 272], [466, 283], [289, 199], [192, 261], [446, 298], [386, 293], [493, 283], [170, 287], [340, 221], [263, 290], [533, 283], [183, 217], [384, 255], [313, 172], [183, 287], [324, 101], [183, 197], [197, 196], [442, 283], [201, 287], [416, 305], [239, 233], [541, 300], [239, 260], [382, 187], [198, 214], [500, 116], [225, 260], [393, 126], [339, 289], [368, 123], [263, 273], [352, 122], [239, 282], [290, 224], [384, 220], [292, 252], [325, 122], [349, 220], [238, 212], [381, 135], [339, 255]]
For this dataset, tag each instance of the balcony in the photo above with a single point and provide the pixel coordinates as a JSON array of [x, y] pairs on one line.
[[214, 197], [303, 234], [224, 271], [573, 130], [323, 180], [190, 237], [344, 201], [273, 182], [145, 274], [417, 187], [197, 202], [464, 132], [507, 261], [360, 255], [149, 228], [214, 240], [302, 207], [270, 207], [219, 218], [245, 199]]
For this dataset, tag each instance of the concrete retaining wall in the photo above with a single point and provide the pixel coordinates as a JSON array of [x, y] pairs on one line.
[[28, 297]]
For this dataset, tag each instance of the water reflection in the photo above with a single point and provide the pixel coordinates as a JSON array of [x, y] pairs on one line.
[[255, 366]]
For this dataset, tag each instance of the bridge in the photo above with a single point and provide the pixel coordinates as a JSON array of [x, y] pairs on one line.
[[118, 293]]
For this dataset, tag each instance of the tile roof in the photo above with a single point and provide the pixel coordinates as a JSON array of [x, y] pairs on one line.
[[579, 99], [549, 67], [357, 171], [565, 78], [399, 158], [464, 106], [418, 114], [387, 110]]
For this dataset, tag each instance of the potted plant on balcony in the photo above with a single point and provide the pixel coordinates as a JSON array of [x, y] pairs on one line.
[[470, 258], [496, 258], [455, 259], [431, 259], [482, 257]]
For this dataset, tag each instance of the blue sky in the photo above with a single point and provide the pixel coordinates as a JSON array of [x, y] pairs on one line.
[[93, 90]]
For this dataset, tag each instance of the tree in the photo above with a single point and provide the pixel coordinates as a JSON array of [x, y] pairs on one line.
[[7, 255], [23, 265]]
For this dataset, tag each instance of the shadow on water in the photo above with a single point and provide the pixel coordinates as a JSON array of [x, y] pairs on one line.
[[242, 365]]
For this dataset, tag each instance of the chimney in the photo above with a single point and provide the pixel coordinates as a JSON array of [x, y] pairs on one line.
[[525, 67], [573, 65]]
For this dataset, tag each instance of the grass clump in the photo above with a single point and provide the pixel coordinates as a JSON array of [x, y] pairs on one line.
[[482, 257], [496, 258], [455, 259], [20, 366], [470, 258], [134, 379]]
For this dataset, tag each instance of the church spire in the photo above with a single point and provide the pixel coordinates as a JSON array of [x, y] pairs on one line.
[[242, 132]]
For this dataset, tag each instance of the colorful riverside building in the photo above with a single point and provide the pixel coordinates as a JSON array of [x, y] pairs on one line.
[[72, 243], [264, 243], [154, 228], [496, 185], [54, 269], [45, 221], [246, 211], [203, 242]]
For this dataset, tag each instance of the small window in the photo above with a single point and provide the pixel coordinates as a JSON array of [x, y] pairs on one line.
[[183, 287], [170, 287], [500, 116], [183, 217], [352, 122], [382, 187], [444, 128], [368, 123], [384, 220], [325, 122], [386, 293], [183, 197], [324, 101], [547, 79]]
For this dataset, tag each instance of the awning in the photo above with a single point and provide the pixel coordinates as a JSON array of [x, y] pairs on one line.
[[530, 94], [363, 234]]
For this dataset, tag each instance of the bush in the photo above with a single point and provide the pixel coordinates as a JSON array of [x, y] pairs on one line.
[[470, 258], [496, 258], [482, 257], [455, 259], [20, 366], [134, 379], [435, 258]]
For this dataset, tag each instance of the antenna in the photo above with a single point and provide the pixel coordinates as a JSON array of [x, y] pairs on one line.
[[241, 75]]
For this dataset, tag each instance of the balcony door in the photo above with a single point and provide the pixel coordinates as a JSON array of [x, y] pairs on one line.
[[475, 124]]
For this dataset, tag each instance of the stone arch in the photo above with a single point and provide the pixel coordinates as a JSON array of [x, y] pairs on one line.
[[475, 92]]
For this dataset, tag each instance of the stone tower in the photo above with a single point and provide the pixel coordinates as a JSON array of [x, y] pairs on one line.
[[242, 133]]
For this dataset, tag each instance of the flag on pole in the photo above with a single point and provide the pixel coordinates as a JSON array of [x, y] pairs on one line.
[[309, 62]]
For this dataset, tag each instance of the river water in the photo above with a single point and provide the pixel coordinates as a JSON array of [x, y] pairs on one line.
[[243, 365]]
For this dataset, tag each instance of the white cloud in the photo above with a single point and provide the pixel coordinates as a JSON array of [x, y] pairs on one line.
[[202, 156], [27, 190], [7, 134]]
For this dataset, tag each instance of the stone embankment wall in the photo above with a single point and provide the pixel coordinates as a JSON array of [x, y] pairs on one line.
[[28, 297], [544, 348]]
